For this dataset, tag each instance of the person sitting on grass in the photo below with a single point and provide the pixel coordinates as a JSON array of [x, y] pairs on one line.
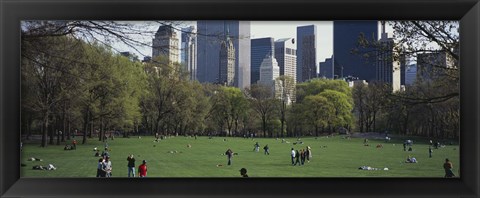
[[105, 153], [97, 154], [411, 160]]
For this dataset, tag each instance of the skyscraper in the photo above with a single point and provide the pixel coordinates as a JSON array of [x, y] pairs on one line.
[[410, 74], [387, 67], [306, 53], [261, 48], [326, 68], [189, 51], [269, 72], [227, 61], [345, 39], [166, 43], [210, 35], [286, 55]]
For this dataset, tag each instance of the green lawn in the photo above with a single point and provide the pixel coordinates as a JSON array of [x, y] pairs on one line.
[[332, 157]]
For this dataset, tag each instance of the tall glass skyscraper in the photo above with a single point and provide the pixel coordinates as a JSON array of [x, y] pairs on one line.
[[261, 48], [306, 53], [210, 35], [345, 39], [189, 51]]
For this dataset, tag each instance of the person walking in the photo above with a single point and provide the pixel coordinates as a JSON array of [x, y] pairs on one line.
[[108, 166], [302, 157], [297, 157], [101, 168], [309, 154], [131, 166], [229, 154], [448, 166], [266, 150], [293, 156], [142, 169], [256, 147]]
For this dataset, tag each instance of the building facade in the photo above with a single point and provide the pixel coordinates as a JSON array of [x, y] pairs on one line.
[[269, 72], [388, 64], [433, 65], [306, 53], [227, 62], [326, 68], [261, 48], [345, 39], [286, 55], [210, 36], [410, 74], [189, 51], [165, 43]]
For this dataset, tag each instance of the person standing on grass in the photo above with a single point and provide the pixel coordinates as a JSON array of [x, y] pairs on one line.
[[142, 169], [297, 157], [430, 151], [108, 166], [131, 165], [302, 157], [293, 156], [256, 147], [101, 168], [229, 154], [74, 142], [448, 166], [308, 153], [266, 150]]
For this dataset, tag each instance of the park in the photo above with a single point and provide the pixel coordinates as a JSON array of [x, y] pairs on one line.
[[332, 156], [356, 125]]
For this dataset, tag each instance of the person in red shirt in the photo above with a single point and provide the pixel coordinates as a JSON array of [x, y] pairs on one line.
[[74, 144], [142, 169]]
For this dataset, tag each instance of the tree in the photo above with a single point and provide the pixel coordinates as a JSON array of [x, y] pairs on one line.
[[263, 102], [342, 105], [287, 87], [319, 111], [229, 106]]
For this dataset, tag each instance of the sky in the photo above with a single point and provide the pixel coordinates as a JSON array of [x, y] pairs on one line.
[[274, 29]]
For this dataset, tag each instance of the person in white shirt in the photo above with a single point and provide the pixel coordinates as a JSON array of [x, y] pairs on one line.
[[108, 166], [293, 156]]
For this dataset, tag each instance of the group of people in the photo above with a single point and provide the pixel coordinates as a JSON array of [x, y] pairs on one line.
[[104, 167], [299, 156], [142, 169], [256, 148]]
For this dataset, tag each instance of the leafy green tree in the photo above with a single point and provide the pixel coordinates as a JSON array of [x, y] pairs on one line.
[[343, 106], [263, 103], [319, 111]]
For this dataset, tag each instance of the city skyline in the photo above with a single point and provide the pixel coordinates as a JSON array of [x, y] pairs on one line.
[[258, 29]]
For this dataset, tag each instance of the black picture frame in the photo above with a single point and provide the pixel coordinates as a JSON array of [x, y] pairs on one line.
[[12, 12]]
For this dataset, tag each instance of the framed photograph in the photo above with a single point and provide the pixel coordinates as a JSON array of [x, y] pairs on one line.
[[322, 101]]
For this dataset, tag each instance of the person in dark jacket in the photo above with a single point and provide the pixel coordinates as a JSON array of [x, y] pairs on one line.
[[297, 158], [131, 166], [229, 154], [243, 172]]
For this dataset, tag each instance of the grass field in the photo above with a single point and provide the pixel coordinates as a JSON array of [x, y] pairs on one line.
[[332, 157]]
